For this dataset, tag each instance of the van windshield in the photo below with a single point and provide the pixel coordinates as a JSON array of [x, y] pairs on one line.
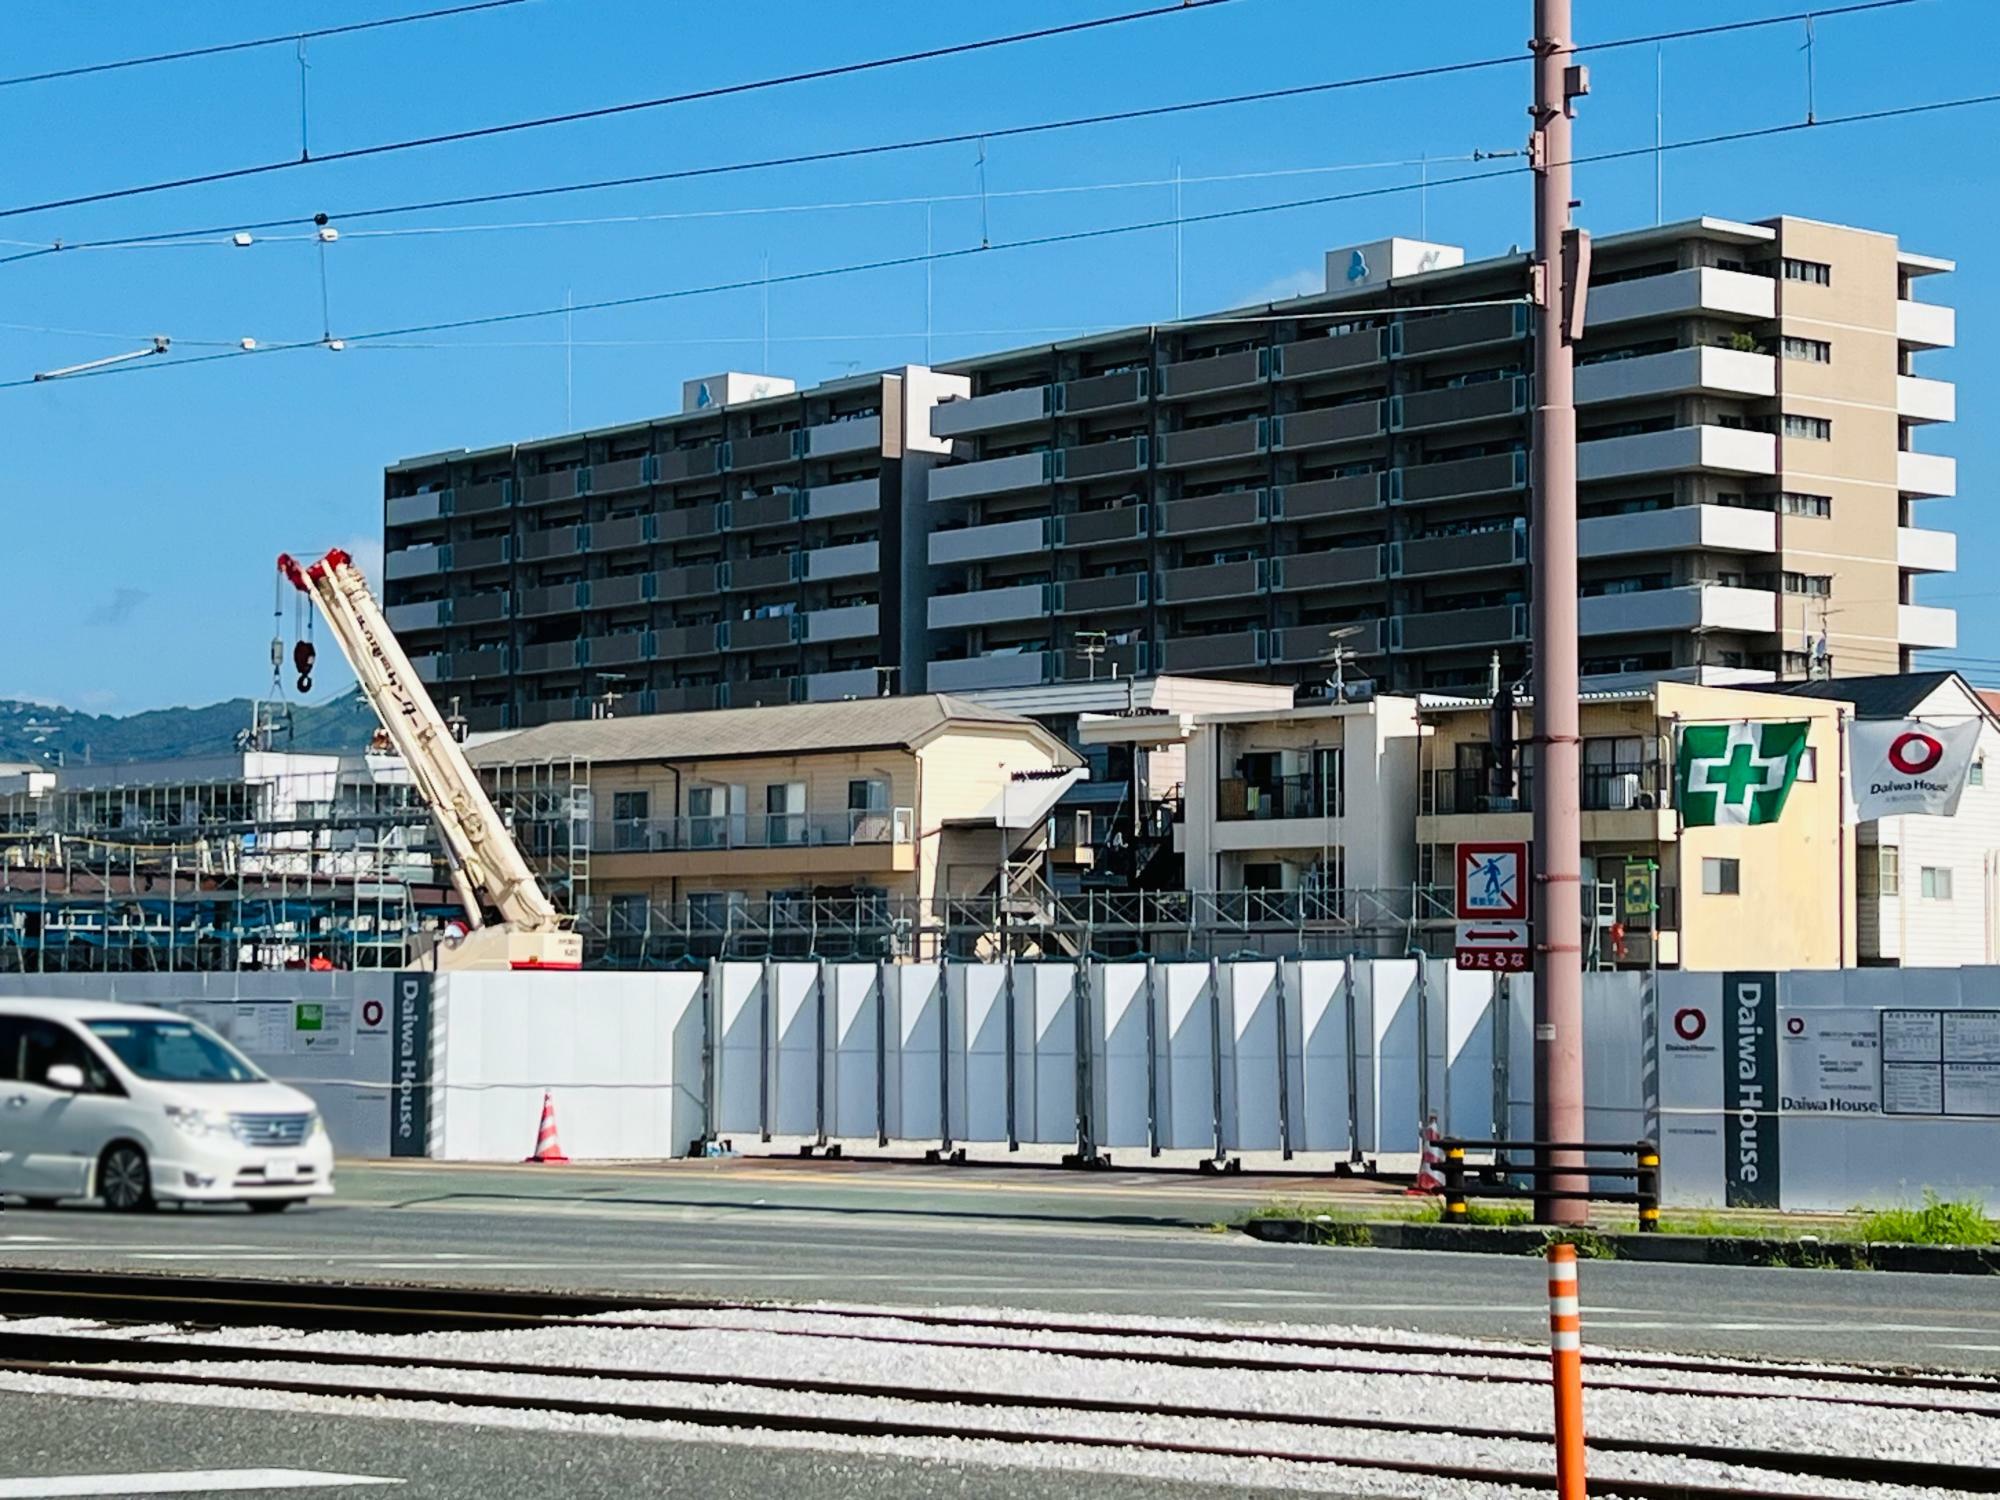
[[175, 1052]]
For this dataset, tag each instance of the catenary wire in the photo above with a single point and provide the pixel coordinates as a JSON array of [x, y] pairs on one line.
[[635, 106], [219, 48], [849, 153], [1041, 241]]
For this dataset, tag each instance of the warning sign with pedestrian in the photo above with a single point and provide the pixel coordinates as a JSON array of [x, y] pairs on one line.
[[1493, 881]]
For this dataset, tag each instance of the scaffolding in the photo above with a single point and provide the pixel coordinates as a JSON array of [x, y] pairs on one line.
[[548, 807], [271, 864]]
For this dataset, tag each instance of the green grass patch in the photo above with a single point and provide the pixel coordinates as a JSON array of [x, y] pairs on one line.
[[1938, 1221]]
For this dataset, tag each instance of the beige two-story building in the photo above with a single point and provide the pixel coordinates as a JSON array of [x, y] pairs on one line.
[[866, 816]]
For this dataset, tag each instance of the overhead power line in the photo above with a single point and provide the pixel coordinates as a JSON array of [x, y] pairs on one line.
[[608, 111], [288, 38], [963, 137], [1821, 122]]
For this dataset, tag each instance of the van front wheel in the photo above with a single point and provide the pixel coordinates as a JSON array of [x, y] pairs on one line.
[[125, 1179]]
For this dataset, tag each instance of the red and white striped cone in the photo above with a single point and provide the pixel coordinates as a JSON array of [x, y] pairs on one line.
[[1429, 1183], [547, 1147]]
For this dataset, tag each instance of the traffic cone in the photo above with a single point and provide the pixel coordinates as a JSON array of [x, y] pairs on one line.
[[547, 1147], [1429, 1164]]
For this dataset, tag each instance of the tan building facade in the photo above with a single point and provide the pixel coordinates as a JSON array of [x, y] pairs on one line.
[[860, 809]]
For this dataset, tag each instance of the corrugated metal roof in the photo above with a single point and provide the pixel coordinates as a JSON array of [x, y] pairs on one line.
[[1884, 696], [786, 729]]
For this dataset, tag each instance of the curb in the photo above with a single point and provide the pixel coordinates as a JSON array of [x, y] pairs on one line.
[[1673, 1249]]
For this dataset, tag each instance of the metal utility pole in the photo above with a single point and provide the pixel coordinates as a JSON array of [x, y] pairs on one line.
[[1560, 273]]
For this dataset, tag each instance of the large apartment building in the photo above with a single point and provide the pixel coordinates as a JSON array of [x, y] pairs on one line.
[[1238, 496], [1243, 494], [732, 555]]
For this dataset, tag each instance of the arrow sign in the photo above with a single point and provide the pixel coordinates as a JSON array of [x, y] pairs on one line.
[[1493, 945]]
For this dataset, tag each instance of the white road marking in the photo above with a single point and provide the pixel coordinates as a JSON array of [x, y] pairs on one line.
[[189, 1482]]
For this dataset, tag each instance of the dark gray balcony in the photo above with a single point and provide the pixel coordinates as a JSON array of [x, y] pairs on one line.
[[562, 484], [1086, 595], [693, 698], [684, 641], [491, 661], [1095, 460], [477, 499], [414, 510], [1486, 401], [1102, 392], [758, 572], [685, 463], [617, 650], [625, 531], [1209, 653], [1232, 580], [756, 635], [1328, 355], [753, 512], [618, 593], [762, 451], [481, 552], [1493, 474], [1310, 643], [480, 609], [619, 474], [1202, 445], [558, 656], [1461, 554], [1089, 528], [558, 541], [1123, 661], [1338, 567], [1223, 372], [1233, 511], [1315, 498], [1468, 328], [556, 599], [692, 520], [1352, 423], [764, 692], [1490, 625], [685, 583]]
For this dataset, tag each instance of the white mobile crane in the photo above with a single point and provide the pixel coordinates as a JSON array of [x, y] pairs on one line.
[[486, 866]]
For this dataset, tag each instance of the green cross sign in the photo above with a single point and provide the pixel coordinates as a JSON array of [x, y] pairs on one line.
[[1737, 773]]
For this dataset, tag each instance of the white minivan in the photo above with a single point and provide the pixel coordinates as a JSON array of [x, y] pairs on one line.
[[136, 1106]]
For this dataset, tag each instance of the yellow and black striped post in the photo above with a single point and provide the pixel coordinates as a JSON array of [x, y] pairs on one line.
[[1648, 1188], [1454, 1184]]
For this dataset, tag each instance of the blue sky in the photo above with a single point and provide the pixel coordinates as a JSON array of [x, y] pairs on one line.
[[144, 509]]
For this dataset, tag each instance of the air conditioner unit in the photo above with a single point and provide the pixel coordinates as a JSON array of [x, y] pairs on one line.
[[1358, 692], [1622, 792]]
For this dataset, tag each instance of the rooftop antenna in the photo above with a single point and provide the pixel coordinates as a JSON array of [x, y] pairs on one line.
[[1339, 656], [1090, 645], [885, 681], [606, 704]]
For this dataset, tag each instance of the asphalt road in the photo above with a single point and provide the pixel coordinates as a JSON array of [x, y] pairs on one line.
[[1099, 1243]]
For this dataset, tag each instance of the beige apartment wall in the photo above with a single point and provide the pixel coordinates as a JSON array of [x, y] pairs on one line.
[[1857, 393], [961, 771], [825, 774]]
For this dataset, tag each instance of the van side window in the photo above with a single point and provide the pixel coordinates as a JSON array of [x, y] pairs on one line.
[[33, 1046]]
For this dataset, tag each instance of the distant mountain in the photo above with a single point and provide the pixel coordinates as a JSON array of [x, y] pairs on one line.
[[39, 733]]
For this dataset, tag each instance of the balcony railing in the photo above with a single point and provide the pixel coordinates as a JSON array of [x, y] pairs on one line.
[[1614, 787], [726, 831], [1305, 796]]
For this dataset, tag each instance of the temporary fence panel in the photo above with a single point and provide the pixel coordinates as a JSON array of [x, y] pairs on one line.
[[931, 1077], [741, 1030], [1127, 1063], [1189, 1034], [1326, 1005], [1256, 1114], [1053, 995], [1465, 1107], [798, 1048], [864, 1094]]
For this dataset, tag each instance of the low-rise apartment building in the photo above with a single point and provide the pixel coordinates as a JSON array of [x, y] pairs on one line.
[[1241, 495], [747, 550], [847, 820]]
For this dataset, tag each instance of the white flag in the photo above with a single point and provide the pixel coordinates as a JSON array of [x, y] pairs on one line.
[[1905, 766]]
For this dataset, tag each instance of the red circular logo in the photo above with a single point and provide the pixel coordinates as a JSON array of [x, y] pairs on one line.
[[1689, 1024], [371, 1013], [1914, 753]]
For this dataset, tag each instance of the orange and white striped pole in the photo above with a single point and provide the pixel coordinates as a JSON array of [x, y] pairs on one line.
[[1566, 1356]]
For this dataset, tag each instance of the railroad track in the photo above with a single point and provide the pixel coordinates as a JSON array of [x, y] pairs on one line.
[[191, 1301]]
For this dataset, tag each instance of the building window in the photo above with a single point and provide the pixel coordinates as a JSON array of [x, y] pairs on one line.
[[1820, 507], [1812, 585], [785, 812], [1809, 764], [1977, 775], [629, 812], [1889, 865], [1720, 877], [1818, 428], [1813, 272], [1936, 884], [1813, 351]]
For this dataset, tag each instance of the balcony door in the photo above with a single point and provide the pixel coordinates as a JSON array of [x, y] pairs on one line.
[[785, 813]]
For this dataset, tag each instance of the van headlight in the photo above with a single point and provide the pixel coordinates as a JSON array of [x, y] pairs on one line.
[[315, 1126], [201, 1123]]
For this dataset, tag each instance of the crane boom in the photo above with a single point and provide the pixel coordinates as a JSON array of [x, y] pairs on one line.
[[487, 868]]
